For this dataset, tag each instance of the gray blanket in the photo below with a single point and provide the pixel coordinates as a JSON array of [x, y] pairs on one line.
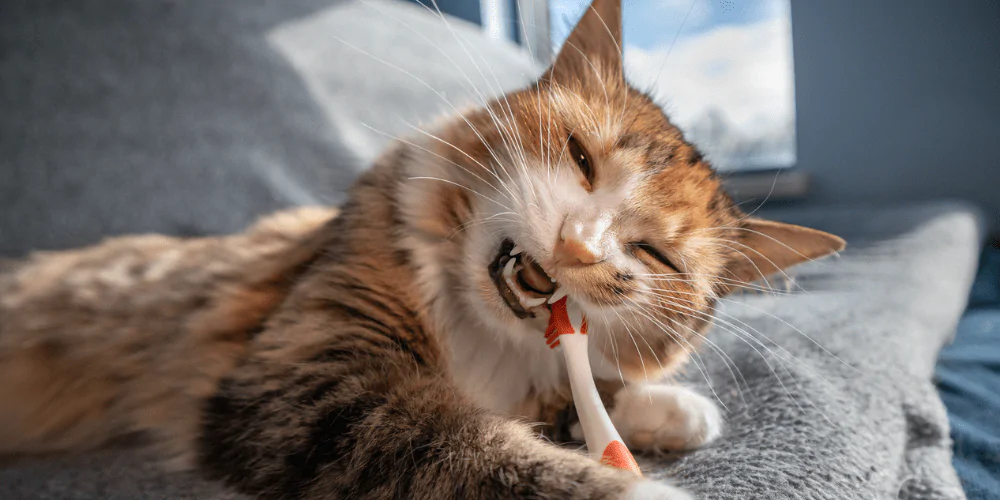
[[195, 117], [829, 387]]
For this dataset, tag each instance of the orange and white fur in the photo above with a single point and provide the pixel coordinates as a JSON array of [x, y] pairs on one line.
[[396, 349]]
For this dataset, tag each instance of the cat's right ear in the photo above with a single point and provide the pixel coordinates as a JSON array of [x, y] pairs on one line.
[[768, 247], [593, 52]]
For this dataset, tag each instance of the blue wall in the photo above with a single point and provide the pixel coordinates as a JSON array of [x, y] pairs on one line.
[[899, 99]]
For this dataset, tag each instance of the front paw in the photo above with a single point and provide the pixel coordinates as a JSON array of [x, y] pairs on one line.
[[665, 418], [649, 490]]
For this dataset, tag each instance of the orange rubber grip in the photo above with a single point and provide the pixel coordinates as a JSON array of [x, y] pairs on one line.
[[617, 455], [559, 324]]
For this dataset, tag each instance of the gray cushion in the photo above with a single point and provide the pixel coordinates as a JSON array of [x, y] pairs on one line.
[[196, 117], [829, 390], [833, 400]]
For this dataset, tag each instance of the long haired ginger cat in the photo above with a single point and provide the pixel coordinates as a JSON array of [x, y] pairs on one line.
[[395, 349]]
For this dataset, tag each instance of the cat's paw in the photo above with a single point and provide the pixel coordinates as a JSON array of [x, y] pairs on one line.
[[651, 490], [665, 418]]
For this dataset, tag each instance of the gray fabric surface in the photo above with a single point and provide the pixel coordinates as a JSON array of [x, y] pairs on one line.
[[195, 117], [833, 400], [837, 398]]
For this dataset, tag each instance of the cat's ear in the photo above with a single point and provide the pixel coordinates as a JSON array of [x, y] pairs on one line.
[[593, 51], [768, 247]]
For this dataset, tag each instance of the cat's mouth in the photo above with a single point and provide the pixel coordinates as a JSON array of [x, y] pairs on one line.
[[521, 282]]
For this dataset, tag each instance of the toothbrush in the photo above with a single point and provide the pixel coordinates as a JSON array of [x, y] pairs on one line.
[[568, 328]]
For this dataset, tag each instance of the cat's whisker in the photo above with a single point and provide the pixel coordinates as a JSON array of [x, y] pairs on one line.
[[783, 366], [666, 306], [485, 220], [775, 240], [620, 51], [648, 346], [438, 94], [793, 327], [614, 350], [725, 323], [668, 298], [642, 362], [712, 279], [663, 300], [453, 183], [734, 370], [736, 330], [412, 144], [548, 131], [498, 91], [561, 92], [673, 42], [437, 12], [597, 72], [510, 196], [518, 143], [782, 272], [691, 351], [762, 274], [506, 135]]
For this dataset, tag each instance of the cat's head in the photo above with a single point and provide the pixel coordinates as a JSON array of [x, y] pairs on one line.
[[581, 185]]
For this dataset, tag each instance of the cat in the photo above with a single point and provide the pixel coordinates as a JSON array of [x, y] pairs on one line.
[[394, 348]]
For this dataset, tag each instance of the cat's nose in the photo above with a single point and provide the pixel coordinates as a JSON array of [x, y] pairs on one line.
[[581, 241]]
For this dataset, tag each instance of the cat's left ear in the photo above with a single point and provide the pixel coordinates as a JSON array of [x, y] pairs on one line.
[[769, 247], [593, 51]]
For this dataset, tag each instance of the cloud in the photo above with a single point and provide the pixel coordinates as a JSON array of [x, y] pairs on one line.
[[736, 77]]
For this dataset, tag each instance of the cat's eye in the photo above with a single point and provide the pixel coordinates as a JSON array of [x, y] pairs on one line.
[[655, 253], [579, 155]]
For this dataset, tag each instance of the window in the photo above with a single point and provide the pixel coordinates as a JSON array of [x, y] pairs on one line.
[[721, 69]]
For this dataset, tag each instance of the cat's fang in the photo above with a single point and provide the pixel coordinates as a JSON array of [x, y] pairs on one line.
[[558, 294], [529, 303], [516, 250], [508, 269]]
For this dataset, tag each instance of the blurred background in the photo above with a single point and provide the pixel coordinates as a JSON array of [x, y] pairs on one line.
[[195, 117], [156, 115]]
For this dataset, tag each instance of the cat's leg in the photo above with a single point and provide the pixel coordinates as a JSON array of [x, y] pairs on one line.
[[665, 417], [366, 415]]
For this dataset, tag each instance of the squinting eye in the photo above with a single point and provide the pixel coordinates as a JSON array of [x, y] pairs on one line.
[[650, 250], [580, 157]]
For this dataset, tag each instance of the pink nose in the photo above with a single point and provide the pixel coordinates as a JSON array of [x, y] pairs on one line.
[[581, 240], [575, 253]]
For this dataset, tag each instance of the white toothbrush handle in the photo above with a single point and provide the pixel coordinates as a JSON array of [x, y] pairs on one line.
[[603, 441], [597, 427]]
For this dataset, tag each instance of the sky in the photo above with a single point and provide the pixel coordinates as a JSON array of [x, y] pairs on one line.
[[722, 69]]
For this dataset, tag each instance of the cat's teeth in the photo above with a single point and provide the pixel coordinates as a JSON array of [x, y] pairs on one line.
[[529, 303], [558, 294], [508, 270], [516, 250]]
